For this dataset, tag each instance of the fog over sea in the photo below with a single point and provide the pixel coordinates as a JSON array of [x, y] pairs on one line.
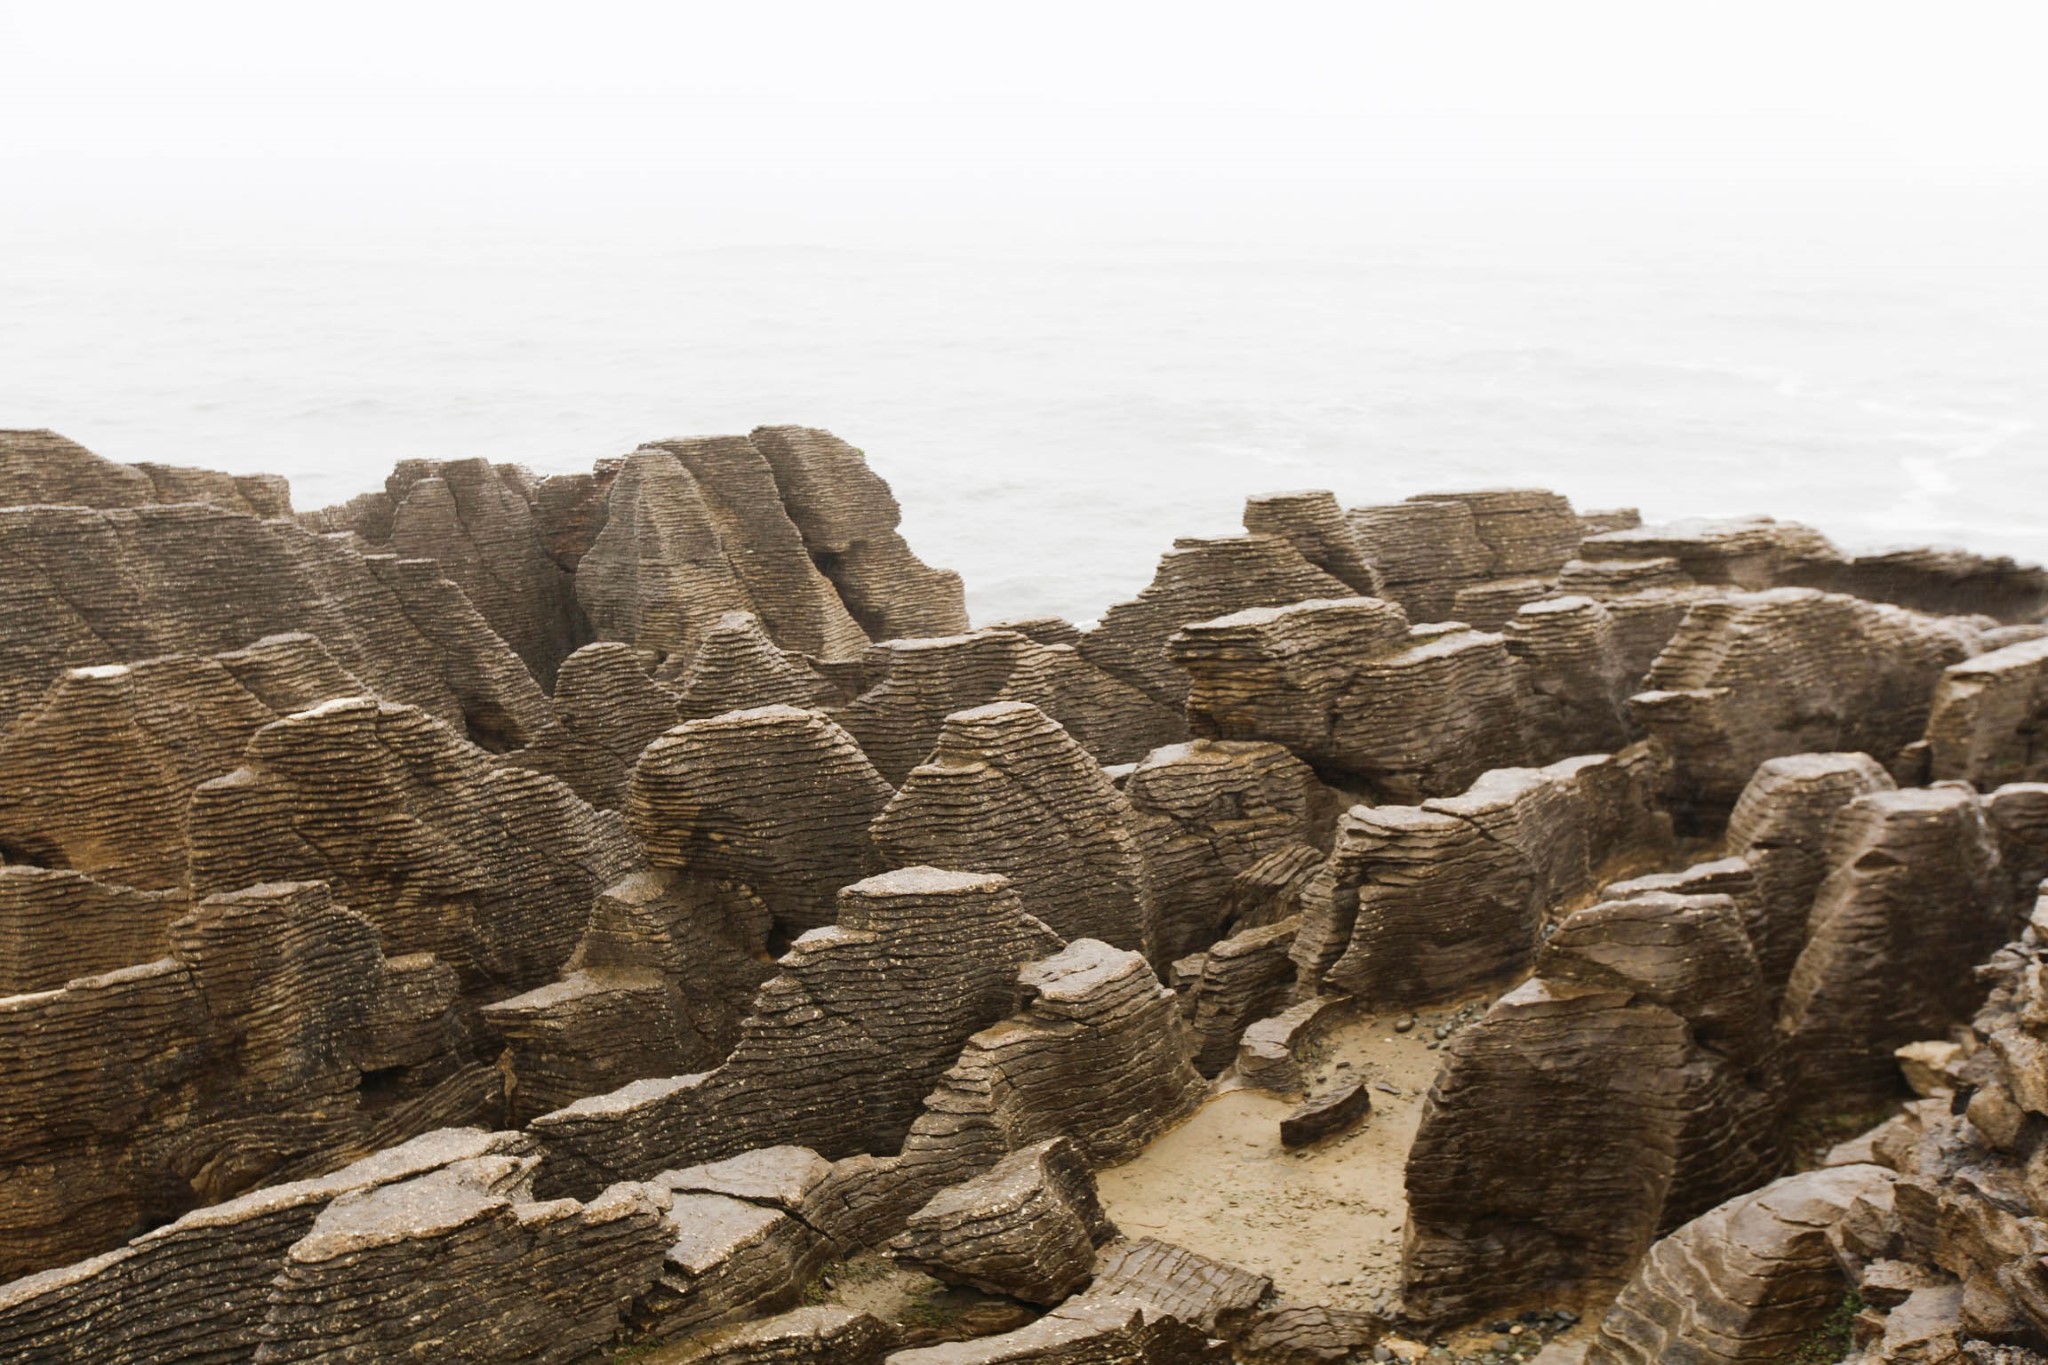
[[1052, 413]]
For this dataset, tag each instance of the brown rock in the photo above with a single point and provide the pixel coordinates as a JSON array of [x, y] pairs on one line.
[[1319, 1116], [1027, 1227]]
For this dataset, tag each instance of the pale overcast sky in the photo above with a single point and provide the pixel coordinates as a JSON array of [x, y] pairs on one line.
[[814, 119]]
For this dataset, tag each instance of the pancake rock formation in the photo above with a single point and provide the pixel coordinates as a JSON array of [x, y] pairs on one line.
[[636, 914]]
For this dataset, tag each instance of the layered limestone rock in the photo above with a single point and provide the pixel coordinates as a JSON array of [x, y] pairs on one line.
[[1094, 1329], [737, 667], [1914, 898], [1779, 828], [39, 467], [1353, 689], [694, 529], [1213, 1295], [848, 520], [95, 587], [476, 521], [1940, 581], [1242, 979], [462, 1262], [1611, 1097], [839, 1050], [1747, 1283], [1577, 679], [915, 684], [658, 986], [776, 798], [1313, 524], [1750, 553], [1098, 1054], [1753, 676], [1435, 545], [197, 1289], [1007, 790], [1419, 903], [135, 1095], [610, 708], [826, 1335], [103, 769], [1027, 1227], [1988, 724], [1205, 812], [492, 869], [57, 926], [1197, 580]]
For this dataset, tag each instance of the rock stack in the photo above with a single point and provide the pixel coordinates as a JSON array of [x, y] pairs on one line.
[[557, 919]]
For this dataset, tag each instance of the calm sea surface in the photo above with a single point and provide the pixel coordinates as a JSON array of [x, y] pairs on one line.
[[1051, 419]]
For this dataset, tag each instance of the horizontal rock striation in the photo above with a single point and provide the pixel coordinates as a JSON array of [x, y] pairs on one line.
[[1027, 1227], [1747, 1283], [1434, 546], [240, 1055], [1645, 1103], [1418, 903], [839, 1049], [39, 467], [1754, 676], [1007, 790], [776, 798], [490, 868], [1988, 723]]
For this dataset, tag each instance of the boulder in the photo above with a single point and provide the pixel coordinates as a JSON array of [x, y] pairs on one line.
[[1027, 1227]]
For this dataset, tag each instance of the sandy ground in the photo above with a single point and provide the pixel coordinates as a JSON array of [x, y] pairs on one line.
[[1325, 1221]]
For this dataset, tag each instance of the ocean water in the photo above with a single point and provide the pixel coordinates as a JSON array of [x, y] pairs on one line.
[[1051, 416]]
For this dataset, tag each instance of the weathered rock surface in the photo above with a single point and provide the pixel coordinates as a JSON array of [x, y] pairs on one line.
[[1197, 580], [737, 667], [1779, 828], [695, 529], [103, 769], [1616, 1094], [133, 1096], [1213, 1295], [1312, 523], [1351, 688], [197, 1289], [848, 519], [94, 587], [1205, 812], [657, 987], [776, 798], [1577, 678], [476, 521], [1097, 1054], [839, 1050], [1420, 902], [1308, 1334], [1914, 898], [1027, 1227], [1095, 1329], [1748, 1281], [1008, 790], [1989, 722], [826, 1335], [915, 684], [57, 926], [492, 869], [41, 467], [1435, 545], [462, 1263], [1239, 980], [1753, 676]]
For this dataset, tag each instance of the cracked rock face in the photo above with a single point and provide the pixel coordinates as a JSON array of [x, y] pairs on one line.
[[1199, 579], [1988, 717]]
